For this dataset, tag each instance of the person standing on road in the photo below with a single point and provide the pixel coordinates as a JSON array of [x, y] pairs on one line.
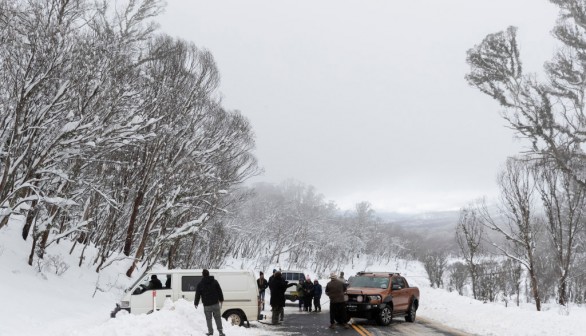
[[272, 276], [210, 292], [262, 284], [308, 294], [300, 293], [335, 291], [278, 286], [317, 291]]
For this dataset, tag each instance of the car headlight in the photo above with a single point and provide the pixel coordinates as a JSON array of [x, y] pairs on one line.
[[359, 298], [371, 298], [124, 304]]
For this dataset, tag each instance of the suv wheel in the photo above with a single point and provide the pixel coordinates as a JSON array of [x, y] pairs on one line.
[[385, 316], [410, 317]]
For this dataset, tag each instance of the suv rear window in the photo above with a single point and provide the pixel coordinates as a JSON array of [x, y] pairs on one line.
[[293, 276], [368, 282]]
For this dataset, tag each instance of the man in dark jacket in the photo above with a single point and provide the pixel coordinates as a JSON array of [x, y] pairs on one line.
[[335, 290], [272, 277], [307, 294], [278, 286], [155, 283], [317, 291], [211, 295]]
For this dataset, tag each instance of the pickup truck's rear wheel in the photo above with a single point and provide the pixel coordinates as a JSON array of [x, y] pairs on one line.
[[411, 314], [385, 316]]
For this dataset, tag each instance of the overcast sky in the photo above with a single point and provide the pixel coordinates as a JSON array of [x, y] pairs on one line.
[[366, 100]]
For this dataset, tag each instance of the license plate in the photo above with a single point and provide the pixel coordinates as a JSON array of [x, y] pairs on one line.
[[351, 307]]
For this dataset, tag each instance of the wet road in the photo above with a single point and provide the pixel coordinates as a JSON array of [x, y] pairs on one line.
[[308, 324]]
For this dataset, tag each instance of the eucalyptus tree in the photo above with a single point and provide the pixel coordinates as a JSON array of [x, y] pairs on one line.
[[564, 205], [520, 224], [469, 236], [69, 100], [199, 151], [549, 113]]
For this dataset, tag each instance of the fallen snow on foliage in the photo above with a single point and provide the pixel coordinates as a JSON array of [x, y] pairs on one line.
[[78, 302]]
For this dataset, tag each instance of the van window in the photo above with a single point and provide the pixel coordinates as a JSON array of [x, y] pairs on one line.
[[189, 283], [294, 276]]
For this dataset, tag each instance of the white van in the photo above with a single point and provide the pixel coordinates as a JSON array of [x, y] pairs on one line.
[[241, 302], [293, 277]]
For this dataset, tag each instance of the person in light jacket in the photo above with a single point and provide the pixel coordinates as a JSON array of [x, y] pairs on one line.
[[300, 293]]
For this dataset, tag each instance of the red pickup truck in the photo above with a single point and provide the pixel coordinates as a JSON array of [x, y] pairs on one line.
[[381, 296]]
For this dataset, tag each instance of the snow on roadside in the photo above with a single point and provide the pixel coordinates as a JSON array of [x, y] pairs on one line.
[[51, 305]]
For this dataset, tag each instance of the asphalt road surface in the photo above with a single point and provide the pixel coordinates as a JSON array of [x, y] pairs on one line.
[[298, 323]]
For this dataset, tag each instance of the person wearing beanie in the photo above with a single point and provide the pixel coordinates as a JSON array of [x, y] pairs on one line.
[[335, 290]]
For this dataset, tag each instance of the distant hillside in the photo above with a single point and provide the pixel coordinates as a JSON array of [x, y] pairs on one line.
[[437, 221]]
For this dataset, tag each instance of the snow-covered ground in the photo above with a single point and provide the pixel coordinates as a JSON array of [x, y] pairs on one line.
[[79, 302]]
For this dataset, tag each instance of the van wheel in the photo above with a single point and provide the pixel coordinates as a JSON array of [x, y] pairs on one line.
[[411, 314], [234, 317]]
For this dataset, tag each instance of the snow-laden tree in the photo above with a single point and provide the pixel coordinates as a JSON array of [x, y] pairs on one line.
[[564, 205], [549, 113], [519, 223], [458, 277], [469, 236], [292, 225], [110, 134], [69, 99]]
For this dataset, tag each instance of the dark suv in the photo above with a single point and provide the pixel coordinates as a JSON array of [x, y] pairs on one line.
[[381, 296]]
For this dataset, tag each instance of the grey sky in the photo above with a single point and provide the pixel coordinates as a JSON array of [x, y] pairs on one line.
[[366, 100]]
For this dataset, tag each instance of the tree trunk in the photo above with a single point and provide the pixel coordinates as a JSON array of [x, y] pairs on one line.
[[562, 299], [29, 220], [32, 255], [140, 249], [171, 255], [534, 288], [43, 242], [131, 223]]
